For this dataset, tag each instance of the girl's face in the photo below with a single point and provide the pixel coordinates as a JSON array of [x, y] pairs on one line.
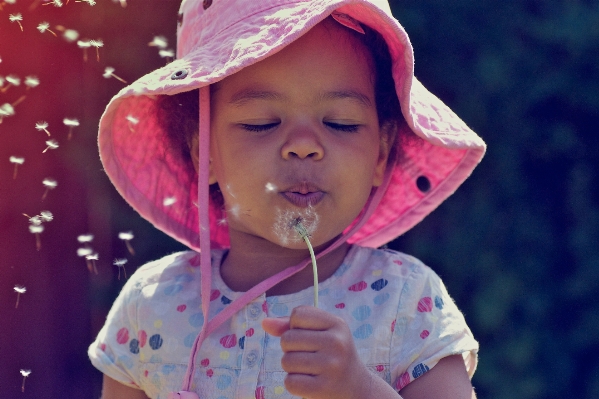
[[297, 135]]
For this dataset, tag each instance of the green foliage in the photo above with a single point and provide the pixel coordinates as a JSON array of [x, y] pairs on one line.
[[517, 244]]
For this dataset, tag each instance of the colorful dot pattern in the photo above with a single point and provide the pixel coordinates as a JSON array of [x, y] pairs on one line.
[[401, 318]]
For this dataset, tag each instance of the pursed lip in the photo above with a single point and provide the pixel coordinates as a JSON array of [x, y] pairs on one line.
[[304, 194]]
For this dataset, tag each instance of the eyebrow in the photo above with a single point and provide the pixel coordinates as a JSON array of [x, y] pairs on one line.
[[243, 96]]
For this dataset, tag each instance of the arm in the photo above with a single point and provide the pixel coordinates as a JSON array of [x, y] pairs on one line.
[[112, 389]]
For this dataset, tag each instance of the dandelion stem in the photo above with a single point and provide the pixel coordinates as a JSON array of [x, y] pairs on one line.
[[19, 101], [38, 241], [301, 230], [18, 297], [129, 247], [14, 174]]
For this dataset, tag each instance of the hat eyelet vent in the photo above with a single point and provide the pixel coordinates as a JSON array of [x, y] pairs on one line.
[[423, 184], [180, 74], [207, 3]]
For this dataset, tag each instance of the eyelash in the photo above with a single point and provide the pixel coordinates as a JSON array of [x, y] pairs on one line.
[[268, 126]]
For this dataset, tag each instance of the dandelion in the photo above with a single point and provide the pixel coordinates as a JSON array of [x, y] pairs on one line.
[[37, 229], [284, 226], [97, 44], [50, 184], [51, 145], [127, 236], [16, 18], [71, 123], [45, 26], [85, 238], [90, 2], [57, 3], [84, 44], [132, 121], [17, 161], [91, 259], [108, 72], [31, 82], [298, 226], [42, 125], [120, 263], [25, 374], [19, 289], [159, 41], [12, 80], [168, 201]]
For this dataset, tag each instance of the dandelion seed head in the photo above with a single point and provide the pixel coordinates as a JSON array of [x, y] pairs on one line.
[[52, 144], [32, 81], [270, 188], [120, 262], [36, 229], [71, 122], [46, 216], [288, 221], [13, 80], [168, 201], [25, 372], [126, 235], [85, 238], [166, 53], [41, 125], [84, 251], [159, 41], [20, 289], [49, 183], [43, 26], [83, 43], [15, 17], [70, 35], [16, 160], [131, 118]]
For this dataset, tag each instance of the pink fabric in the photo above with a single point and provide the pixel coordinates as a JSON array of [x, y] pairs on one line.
[[218, 42]]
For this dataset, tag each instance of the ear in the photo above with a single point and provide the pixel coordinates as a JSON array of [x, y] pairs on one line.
[[388, 134], [194, 150]]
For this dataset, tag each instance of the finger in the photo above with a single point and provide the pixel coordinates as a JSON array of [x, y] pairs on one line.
[[311, 318], [302, 363], [297, 340], [303, 385], [275, 326]]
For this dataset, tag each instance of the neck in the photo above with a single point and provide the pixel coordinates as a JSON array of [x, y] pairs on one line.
[[252, 260]]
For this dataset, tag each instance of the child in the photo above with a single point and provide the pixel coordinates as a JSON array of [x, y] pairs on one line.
[[309, 118]]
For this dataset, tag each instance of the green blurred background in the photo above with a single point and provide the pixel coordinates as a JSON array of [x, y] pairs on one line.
[[517, 245]]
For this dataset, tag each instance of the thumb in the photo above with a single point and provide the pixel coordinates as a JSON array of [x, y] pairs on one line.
[[275, 326]]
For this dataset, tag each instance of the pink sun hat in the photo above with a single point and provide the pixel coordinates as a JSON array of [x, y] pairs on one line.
[[229, 35]]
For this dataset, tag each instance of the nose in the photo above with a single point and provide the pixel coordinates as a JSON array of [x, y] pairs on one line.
[[302, 144]]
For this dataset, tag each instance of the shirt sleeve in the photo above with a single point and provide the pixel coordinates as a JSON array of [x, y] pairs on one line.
[[113, 351], [428, 328]]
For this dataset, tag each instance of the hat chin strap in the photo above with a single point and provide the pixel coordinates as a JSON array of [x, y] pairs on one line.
[[205, 261]]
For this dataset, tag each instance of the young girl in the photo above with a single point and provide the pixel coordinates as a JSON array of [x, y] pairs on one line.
[[310, 121]]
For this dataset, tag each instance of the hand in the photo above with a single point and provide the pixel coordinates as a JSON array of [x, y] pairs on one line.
[[320, 357]]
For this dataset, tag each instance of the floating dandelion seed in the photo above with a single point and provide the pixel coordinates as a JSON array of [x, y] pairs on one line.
[[6, 110], [159, 41], [222, 222], [166, 53], [43, 125], [46, 216], [90, 2], [19, 289], [132, 121], [31, 82], [17, 161], [25, 374], [168, 201], [45, 26], [85, 238], [57, 3], [12, 80], [37, 229], [16, 18], [270, 188], [71, 123], [50, 184], [97, 44], [108, 72], [51, 145], [70, 35], [120, 263], [127, 236], [84, 253], [84, 44], [92, 258]]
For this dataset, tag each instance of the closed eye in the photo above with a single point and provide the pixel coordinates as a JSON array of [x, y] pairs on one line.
[[341, 127], [258, 128]]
